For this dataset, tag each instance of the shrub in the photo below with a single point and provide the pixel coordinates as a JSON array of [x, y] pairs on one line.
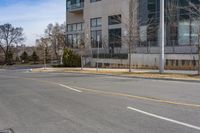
[[24, 57], [71, 59], [34, 57], [9, 58]]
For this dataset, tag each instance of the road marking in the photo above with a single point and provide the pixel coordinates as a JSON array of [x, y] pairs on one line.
[[164, 118], [80, 89], [139, 97], [68, 87]]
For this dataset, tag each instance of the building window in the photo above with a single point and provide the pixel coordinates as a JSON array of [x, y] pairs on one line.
[[115, 38], [74, 40], [184, 33], [74, 4], [75, 27], [115, 19], [91, 1], [69, 27], [94, 38], [70, 40], [79, 27], [195, 31], [143, 33], [95, 22]]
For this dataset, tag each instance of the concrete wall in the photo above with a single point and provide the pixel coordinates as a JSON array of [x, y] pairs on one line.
[[108, 61], [152, 60], [74, 18]]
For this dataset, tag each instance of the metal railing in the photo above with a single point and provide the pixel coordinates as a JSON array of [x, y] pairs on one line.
[[76, 6]]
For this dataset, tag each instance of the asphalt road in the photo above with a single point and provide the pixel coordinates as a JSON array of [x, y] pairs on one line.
[[83, 103]]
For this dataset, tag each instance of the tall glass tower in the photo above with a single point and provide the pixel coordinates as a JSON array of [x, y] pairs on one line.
[[181, 22]]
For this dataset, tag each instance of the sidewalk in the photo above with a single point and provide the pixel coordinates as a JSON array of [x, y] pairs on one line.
[[136, 73]]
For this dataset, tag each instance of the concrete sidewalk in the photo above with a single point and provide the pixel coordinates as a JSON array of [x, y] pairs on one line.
[[188, 72], [136, 73]]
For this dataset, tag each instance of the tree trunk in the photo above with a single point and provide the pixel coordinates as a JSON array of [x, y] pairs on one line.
[[199, 59], [130, 41]]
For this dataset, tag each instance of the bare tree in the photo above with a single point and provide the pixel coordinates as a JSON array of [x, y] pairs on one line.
[[131, 36], [172, 22], [104, 44], [194, 10], [131, 27], [57, 37], [43, 49], [9, 36], [83, 49]]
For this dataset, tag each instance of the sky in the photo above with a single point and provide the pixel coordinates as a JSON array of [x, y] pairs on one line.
[[32, 15]]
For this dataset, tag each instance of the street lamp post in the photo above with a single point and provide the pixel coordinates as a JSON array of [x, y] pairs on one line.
[[162, 37]]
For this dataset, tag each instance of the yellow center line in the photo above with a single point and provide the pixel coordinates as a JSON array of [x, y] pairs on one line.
[[122, 94], [139, 97]]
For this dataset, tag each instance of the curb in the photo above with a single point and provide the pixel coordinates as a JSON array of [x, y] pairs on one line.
[[137, 77]]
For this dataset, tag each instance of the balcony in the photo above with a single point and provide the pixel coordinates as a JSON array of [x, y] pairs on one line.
[[75, 8]]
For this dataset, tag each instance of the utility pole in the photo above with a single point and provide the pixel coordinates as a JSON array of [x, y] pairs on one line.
[[162, 37]]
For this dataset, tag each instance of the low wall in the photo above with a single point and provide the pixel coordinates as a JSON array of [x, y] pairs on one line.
[[154, 59], [109, 61], [174, 61]]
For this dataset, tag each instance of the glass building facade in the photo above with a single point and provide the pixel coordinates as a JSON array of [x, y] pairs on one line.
[[181, 22]]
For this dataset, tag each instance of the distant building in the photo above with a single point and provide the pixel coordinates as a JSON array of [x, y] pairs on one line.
[[109, 20]]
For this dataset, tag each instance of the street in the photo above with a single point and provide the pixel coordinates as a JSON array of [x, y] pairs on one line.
[[32, 102]]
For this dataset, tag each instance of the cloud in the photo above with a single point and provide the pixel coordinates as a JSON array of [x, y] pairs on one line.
[[33, 17]]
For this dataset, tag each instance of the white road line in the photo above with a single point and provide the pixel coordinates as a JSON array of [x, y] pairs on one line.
[[166, 119], [70, 88]]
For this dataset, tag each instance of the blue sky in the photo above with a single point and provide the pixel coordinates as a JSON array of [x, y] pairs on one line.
[[32, 15]]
